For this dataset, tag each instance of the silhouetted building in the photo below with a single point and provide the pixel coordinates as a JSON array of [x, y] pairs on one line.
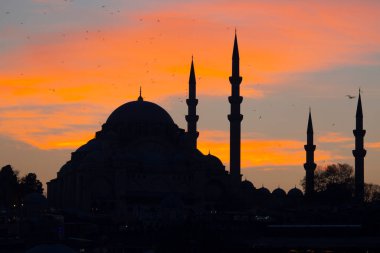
[[35, 204], [279, 193], [142, 165], [309, 165], [235, 117], [247, 186], [359, 152], [295, 196], [262, 196], [138, 160], [295, 193]]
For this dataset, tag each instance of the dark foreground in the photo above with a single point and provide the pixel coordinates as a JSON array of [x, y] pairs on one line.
[[227, 232]]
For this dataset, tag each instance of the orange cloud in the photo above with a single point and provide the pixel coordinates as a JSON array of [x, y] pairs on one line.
[[334, 137], [374, 145], [259, 152], [50, 126], [105, 64], [118, 58]]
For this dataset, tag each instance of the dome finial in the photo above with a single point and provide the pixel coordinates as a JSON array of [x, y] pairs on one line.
[[140, 98]]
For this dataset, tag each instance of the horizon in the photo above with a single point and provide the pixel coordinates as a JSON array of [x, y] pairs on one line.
[[61, 79]]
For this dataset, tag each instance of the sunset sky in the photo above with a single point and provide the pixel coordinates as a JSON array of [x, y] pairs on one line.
[[65, 65]]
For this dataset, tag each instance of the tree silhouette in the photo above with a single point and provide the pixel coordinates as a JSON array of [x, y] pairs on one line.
[[333, 183], [12, 189], [371, 192], [29, 184], [336, 182], [9, 188]]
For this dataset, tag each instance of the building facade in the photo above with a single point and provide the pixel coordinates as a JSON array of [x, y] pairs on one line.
[[141, 163]]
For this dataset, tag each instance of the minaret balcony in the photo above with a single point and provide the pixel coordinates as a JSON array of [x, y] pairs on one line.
[[236, 80], [235, 118], [310, 166], [359, 153], [192, 101], [359, 133], [309, 148], [235, 99], [191, 118]]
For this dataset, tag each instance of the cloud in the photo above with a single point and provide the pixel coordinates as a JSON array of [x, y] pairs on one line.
[[374, 145], [51, 126], [285, 177], [133, 51], [58, 63], [45, 163], [334, 137], [259, 152]]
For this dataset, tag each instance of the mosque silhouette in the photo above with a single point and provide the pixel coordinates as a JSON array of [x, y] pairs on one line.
[[141, 165]]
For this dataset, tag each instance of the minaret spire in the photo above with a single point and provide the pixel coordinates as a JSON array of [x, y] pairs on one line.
[[235, 58], [192, 101], [359, 152], [310, 123], [309, 165], [359, 109], [235, 117], [140, 98]]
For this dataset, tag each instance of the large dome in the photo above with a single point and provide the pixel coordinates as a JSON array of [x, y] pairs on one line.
[[139, 112]]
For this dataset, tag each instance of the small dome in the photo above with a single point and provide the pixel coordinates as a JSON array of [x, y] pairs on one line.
[[139, 112], [279, 193], [263, 192], [295, 193], [247, 185], [214, 161]]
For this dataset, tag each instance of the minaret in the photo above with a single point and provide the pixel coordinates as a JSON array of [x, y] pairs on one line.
[[192, 102], [235, 117], [140, 98], [309, 165], [359, 152]]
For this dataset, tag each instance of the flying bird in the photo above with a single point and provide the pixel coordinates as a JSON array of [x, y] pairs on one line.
[[350, 97]]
